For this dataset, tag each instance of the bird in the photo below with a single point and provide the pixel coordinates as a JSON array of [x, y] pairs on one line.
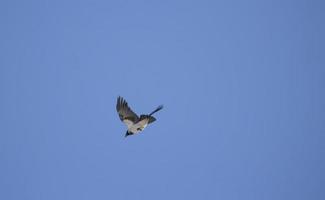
[[134, 123]]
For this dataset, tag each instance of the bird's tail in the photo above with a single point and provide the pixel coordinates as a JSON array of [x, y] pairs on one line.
[[157, 109]]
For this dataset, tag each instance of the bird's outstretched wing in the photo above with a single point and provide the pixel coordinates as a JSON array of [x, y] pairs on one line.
[[125, 113]]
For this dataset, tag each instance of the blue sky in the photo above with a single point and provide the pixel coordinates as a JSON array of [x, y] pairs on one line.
[[242, 83]]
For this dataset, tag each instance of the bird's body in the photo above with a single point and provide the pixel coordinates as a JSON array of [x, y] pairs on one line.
[[134, 123]]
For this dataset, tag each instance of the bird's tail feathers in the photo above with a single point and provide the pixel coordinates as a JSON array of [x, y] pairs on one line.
[[156, 110]]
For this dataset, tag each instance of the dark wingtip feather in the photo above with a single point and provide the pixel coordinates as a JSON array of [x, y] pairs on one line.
[[119, 103], [157, 109]]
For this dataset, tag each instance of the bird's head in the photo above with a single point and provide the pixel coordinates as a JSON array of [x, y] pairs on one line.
[[127, 133]]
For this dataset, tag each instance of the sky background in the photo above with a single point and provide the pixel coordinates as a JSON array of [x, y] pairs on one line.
[[242, 83]]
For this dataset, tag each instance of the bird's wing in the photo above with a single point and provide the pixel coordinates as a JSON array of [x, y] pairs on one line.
[[150, 118], [125, 113]]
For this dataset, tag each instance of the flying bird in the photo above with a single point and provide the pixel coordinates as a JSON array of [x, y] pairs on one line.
[[134, 123]]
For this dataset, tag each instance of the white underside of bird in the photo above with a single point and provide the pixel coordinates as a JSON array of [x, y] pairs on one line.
[[137, 127]]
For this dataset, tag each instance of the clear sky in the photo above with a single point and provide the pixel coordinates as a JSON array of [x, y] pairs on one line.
[[242, 83]]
